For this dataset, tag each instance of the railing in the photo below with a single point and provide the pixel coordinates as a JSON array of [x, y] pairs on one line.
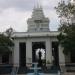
[[5, 68], [9, 68], [70, 67], [67, 68], [43, 70]]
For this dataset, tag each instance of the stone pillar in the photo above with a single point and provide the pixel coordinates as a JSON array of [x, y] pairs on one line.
[[48, 51], [61, 59], [28, 51], [16, 54]]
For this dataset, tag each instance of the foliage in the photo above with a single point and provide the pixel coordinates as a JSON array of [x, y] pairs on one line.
[[9, 32], [68, 40], [48, 62], [65, 9], [5, 44]]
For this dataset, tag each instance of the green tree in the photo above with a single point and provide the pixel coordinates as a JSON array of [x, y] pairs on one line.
[[9, 32], [5, 44], [66, 10]]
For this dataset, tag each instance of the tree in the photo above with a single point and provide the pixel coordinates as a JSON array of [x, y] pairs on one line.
[[5, 44], [9, 32], [66, 10]]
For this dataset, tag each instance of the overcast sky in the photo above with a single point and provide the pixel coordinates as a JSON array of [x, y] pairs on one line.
[[14, 13]]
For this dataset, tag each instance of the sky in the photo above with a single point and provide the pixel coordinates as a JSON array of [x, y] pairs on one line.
[[14, 13]]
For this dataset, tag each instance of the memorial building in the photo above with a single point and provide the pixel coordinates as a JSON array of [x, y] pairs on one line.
[[37, 38]]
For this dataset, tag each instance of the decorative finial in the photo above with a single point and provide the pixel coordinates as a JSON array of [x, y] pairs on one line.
[[37, 4]]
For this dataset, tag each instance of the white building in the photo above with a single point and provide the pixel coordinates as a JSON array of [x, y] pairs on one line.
[[37, 37]]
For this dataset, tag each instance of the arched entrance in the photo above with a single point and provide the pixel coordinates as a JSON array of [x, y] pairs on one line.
[[38, 52]]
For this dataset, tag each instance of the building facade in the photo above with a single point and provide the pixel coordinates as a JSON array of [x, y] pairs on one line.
[[36, 38]]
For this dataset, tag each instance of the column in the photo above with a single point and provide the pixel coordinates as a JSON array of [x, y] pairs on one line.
[[28, 51], [61, 56], [48, 51], [16, 54], [61, 59]]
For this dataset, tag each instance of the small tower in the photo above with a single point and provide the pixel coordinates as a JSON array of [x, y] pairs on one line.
[[38, 22]]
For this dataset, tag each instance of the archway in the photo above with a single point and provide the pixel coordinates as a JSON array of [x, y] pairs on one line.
[[36, 48]]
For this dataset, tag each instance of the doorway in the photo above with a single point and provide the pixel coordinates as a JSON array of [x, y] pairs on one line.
[[55, 53], [72, 56], [5, 58], [22, 54], [38, 52]]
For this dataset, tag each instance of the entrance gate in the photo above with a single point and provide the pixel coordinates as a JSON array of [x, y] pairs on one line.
[[40, 46]]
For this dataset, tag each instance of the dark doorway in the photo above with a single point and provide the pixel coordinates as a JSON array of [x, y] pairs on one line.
[[72, 56], [22, 54], [35, 46], [5, 58], [55, 53]]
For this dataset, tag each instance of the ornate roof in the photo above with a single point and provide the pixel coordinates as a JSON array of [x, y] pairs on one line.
[[38, 13]]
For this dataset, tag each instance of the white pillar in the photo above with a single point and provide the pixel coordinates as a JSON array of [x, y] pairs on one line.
[[28, 51], [16, 54], [61, 59], [48, 51], [61, 55]]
